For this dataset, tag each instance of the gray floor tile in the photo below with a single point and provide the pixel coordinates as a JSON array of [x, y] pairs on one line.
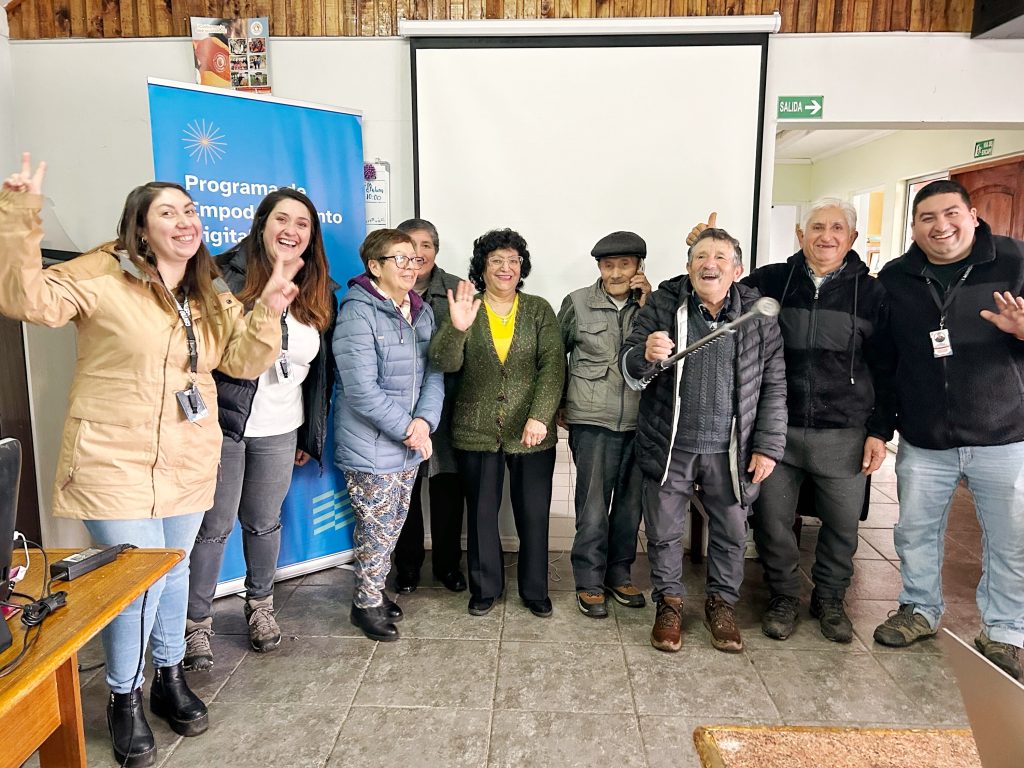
[[882, 512], [880, 489], [874, 580], [571, 677], [880, 539], [565, 623], [930, 684], [438, 613], [318, 611], [420, 737], [668, 741], [563, 740], [327, 577], [321, 669], [228, 615], [256, 735], [431, 673], [834, 686], [228, 652], [697, 682]]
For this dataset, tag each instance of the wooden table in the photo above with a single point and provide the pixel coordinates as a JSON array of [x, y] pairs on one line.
[[796, 746], [40, 702]]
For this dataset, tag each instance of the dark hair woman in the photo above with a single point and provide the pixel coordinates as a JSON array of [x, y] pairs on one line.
[[512, 366], [138, 462], [272, 423]]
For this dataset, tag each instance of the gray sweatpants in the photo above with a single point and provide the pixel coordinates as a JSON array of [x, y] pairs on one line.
[[665, 518], [831, 459]]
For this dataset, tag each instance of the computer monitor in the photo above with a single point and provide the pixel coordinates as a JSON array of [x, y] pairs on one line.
[[994, 702], [10, 477]]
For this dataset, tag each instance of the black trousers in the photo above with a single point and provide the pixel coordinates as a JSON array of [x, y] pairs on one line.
[[483, 475], [447, 502]]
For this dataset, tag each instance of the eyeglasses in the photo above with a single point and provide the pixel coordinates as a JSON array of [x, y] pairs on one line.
[[496, 262], [405, 261]]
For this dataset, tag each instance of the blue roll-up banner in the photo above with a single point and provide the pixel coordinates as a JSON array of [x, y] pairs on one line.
[[230, 149]]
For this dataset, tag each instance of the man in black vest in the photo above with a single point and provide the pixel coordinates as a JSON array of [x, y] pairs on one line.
[[958, 327], [717, 418]]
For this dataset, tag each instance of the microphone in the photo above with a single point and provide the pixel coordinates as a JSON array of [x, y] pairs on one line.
[[763, 307]]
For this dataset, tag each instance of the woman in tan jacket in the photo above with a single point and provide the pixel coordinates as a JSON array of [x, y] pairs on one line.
[[138, 459]]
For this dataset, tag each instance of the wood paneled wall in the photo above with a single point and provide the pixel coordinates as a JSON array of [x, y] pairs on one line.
[[36, 19]]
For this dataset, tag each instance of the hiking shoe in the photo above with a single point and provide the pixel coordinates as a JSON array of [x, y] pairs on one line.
[[720, 619], [668, 624], [831, 615], [1003, 655], [779, 619], [627, 595], [264, 634], [592, 604], [198, 654], [903, 627]]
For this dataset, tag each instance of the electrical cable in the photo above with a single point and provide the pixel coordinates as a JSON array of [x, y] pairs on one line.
[[34, 613]]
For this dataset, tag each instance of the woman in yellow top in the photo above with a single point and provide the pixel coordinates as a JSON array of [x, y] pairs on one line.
[[138, 459], [512, 367]]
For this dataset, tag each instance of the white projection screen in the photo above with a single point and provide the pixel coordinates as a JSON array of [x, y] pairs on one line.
[[568, 139]]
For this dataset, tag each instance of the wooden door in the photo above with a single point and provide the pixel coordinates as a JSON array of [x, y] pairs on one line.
[[997, 191]]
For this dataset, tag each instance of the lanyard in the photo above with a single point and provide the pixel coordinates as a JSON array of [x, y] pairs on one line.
[[284, 332], [185, 313], [943, 304]]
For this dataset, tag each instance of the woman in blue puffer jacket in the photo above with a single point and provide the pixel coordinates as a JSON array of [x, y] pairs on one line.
[[388, 403]]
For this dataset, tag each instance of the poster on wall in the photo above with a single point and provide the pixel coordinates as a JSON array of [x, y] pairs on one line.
[[229, 150], [232, 53]]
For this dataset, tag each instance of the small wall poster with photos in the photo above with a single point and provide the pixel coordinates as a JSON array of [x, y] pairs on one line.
[[232, 53]]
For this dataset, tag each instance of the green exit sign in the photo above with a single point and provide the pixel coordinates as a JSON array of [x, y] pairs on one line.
[[984, 148], [800, 107]]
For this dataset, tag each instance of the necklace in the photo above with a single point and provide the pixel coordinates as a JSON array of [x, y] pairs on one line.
[[507, 316]]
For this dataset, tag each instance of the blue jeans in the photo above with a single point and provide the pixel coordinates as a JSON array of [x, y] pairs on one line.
[[927, 481], [164, 622]]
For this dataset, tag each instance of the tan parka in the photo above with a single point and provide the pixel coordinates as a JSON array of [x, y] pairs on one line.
[[127, 450]]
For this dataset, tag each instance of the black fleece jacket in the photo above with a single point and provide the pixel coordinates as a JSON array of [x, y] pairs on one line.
[[975, 396], [235, 396], [839, 359]]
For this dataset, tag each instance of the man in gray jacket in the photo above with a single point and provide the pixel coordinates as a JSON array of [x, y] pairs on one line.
[[600, 412]]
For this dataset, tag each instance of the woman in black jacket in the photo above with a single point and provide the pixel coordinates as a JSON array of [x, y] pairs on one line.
[[270, 424]]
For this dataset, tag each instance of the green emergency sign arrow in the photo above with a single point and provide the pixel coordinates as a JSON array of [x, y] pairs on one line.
[[800, 107]]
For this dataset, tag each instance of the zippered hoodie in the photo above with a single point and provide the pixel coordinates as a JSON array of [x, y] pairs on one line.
[[839, 360], [976, 395], [383, 380]]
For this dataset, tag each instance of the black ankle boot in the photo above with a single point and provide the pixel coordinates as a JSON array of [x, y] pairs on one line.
[[375, 623], [391, 608], [172, 699], [134, 745]]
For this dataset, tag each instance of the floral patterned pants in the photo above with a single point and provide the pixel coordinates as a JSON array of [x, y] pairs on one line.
[[380, 503]]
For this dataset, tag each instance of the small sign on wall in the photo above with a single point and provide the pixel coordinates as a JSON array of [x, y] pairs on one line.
[[800, 107], [377, 177], [984, 148]]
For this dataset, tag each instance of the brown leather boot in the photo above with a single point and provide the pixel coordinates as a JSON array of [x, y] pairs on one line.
[[720, 619], [668, 624]]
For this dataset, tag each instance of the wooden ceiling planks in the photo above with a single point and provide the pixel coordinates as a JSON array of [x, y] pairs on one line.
[[49, 19]]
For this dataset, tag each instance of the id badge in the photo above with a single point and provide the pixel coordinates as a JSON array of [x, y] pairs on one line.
[[192, 405], [283, 369], [941, 345]]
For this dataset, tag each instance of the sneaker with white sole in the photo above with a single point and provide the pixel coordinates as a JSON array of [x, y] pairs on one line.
[[264, 634]]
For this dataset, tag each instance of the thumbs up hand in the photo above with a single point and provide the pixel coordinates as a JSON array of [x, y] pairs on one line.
[[712, 223]]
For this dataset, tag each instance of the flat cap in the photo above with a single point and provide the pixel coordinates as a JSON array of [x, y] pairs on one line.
[[620, 244]]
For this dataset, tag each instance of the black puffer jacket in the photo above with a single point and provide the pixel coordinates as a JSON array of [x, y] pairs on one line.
[[235, 396], [760, 394], [836, 372], [976, 395]]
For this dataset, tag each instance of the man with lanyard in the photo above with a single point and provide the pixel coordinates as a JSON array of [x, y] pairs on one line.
[[958, 328], [839, 378]]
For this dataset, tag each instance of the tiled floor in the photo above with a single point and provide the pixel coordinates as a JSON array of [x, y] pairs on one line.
[[509, 689]]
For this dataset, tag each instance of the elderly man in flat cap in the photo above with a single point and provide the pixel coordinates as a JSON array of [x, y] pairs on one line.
[[600, 413]]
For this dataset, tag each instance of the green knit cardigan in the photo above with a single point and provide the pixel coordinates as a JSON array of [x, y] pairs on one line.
[[493, 401]]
